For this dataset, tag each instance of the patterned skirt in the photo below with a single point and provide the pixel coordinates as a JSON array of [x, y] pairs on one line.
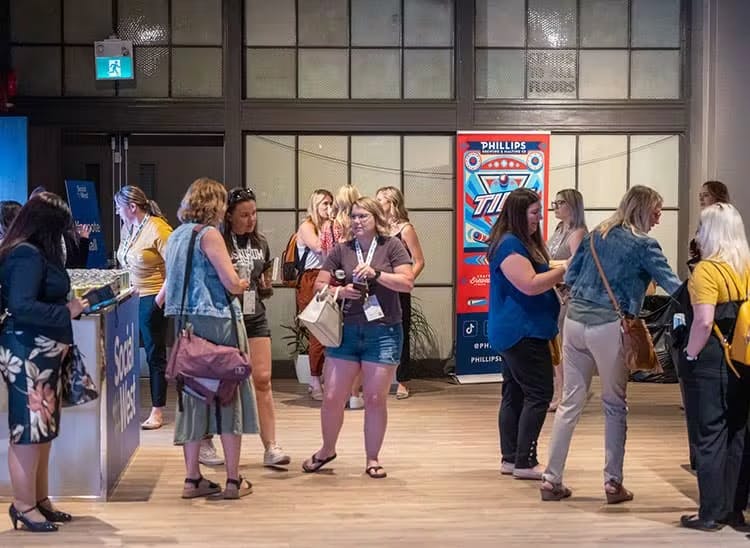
[[30, 365]]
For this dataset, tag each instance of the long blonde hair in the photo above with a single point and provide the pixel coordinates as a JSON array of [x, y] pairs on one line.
[[721, 237], [634, 211], [395, 197], [312, 207], [342, 207]]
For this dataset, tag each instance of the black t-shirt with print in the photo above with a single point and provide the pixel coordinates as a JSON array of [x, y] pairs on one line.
[[254, 258]]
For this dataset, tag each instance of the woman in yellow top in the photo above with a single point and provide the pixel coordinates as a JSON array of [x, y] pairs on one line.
[[141, 252], [716, 400]]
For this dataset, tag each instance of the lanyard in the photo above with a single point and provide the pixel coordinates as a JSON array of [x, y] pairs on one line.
[[132, 237], [370, 253]]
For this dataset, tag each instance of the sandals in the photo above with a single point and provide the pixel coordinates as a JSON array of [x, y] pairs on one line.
[[616, 493], [201, 488], [558, 491], [235, 489], [317, 463], [402, 392], [376, 472], [152, 424], [695, 522]]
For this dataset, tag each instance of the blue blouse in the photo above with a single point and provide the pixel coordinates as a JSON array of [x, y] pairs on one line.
[[513, 315]]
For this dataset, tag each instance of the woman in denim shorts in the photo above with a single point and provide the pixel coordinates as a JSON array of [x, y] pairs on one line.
[[375, 268]]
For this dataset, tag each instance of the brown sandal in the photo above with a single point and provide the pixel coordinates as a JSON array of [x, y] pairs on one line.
[[201, 488], [616, 493], [235, 489], [558, 491]]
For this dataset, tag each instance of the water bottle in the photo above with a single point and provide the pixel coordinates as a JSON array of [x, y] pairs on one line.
[[340, 277]]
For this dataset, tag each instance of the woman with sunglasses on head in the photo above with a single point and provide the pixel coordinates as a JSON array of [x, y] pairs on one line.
[[310, 248], [376, 269], [562, 245], [142, 252], [252, 261]]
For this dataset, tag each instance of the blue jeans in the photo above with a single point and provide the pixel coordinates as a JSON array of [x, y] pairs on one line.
[[153, 327], [370, 343]]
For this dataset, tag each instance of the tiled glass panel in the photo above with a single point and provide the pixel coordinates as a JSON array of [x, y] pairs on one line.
[[145, 22], [95, 25], [428, 23], [428, 74], [36, 21], [196, 22], [281, 310], [603, 74], [376, 162], [594, 218], [196, 72], [655, 162], [428, 171], [604, 23], [436, 304], [376, 23], [500, 23], [552, 23], [323, 23], [376, 74], [436, 234], [39, 67], [655, 74], [500, 73], [602, 169], [270, 23], [323, 73], [270, 73], [79, 74], [269, 169], [668, 235], [151, 73], [276, 226], [551, 74], [322, 164], [656, 24], [562, 164]]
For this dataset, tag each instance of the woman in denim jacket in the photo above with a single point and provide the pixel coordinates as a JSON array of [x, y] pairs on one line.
[[592, 339]]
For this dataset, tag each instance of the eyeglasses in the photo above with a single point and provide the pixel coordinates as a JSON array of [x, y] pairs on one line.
[[557, 204], [360, 217], [241, 195]]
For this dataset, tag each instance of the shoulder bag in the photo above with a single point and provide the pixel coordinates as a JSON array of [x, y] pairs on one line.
[[637, 344]]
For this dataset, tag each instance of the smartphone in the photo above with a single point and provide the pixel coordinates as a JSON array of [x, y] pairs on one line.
[[361, 285]]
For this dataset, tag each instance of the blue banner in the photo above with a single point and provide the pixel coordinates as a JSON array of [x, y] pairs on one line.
[[85, 207], [122, 357], [13, 159]]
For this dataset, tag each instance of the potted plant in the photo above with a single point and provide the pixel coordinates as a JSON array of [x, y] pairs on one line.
[[298, 343]]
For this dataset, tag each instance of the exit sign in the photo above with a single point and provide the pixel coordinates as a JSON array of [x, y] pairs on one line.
[[114, 59]]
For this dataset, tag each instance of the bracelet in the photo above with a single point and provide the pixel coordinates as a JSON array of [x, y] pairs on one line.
[[690, 358]]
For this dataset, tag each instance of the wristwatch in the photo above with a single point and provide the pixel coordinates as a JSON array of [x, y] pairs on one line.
[[377, 275], [688, 357]]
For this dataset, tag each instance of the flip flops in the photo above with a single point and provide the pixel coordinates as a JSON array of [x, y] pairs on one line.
[[376, 472], [317, 463]]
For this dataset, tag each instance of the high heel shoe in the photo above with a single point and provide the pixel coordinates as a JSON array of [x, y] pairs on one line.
[[52, 515], [32, 526]]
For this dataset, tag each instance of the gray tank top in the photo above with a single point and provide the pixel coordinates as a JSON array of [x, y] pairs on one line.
[[557, 245]]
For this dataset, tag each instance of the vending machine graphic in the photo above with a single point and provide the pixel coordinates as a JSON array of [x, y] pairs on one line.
[[489, 166]]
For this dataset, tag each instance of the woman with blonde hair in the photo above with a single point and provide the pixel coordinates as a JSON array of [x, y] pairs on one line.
[[210, 308], [311, 255], [392, 201], [562, 245], [142, 250], [717, 399], [376, 268], [592, 339]]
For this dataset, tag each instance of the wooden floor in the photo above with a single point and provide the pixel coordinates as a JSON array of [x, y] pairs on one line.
[[443, 488]]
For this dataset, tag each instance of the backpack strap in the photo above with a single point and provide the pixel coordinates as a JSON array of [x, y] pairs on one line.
[[723, 341]]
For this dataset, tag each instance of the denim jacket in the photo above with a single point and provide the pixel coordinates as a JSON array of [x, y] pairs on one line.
[[630, 262], [206, 294]]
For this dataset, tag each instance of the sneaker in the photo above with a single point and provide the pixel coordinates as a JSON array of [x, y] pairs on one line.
[[506, 468], [275, 456], [208, 455], [356, 402]]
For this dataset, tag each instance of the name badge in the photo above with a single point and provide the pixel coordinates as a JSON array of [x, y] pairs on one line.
[[248, 303], [372, 309]]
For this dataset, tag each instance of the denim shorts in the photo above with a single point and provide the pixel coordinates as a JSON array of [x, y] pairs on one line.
[[370, 343]]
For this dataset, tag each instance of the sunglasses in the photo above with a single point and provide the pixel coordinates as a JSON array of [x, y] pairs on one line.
[[241, 195]]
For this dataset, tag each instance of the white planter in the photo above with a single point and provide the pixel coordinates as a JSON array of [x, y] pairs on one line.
[[302, 368]]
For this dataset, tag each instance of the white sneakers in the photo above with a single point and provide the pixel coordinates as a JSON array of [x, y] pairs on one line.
[[208, 455], [356, 402], [275, 456]]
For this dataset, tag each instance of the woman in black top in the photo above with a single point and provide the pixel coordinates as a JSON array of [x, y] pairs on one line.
[[252, 260], [33, 341]]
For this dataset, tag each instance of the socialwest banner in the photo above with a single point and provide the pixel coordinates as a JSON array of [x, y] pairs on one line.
[[488, 167]]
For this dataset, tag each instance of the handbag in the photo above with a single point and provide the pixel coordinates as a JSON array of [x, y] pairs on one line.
[[194, 358], [323, 318], [77, 385], [555, 350], [637, 344]]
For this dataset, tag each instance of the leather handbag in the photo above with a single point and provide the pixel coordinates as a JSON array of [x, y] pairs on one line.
[[323, 318], [194, 357], [637, 344], [77, 385]]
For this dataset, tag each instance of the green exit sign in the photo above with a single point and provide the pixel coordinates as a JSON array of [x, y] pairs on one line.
[[113, 59]]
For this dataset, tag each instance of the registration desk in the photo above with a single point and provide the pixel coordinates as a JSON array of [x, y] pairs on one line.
[[96, 440]]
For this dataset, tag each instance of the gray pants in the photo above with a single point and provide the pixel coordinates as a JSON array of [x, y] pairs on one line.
[[586, 347]]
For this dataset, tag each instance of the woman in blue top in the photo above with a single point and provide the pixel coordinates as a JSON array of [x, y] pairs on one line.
[[592, 337], [522, 320]]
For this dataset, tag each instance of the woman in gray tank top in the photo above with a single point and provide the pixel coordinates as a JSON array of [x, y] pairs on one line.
[[562, 245]]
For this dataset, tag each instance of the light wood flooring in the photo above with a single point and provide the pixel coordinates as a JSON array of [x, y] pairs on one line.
[[443, 487]]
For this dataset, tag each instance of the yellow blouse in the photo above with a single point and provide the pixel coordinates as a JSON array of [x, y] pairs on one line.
[[714, 282], [144, 256]]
